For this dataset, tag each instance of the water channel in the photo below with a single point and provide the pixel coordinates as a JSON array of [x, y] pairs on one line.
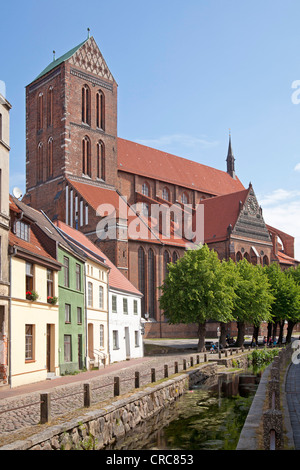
[[209, 416]]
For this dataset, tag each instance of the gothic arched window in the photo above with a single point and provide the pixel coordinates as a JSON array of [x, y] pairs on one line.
[[39, 166], [50, 106], [86, 156], [145, 189], [166, 262], [100, 110], [166, 194], [151, 283], [86, 105], [50, 158], [100, 160], [174, 257], [141, 276], [40, 109]]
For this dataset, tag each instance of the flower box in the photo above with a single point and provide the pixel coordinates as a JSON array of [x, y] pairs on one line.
[[52, 300], [31, 295]]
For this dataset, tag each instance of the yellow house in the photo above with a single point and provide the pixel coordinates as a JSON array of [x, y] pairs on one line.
[[34, 306]]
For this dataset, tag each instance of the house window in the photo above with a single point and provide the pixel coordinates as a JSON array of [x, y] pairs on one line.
[[29, 277], [115, 339], [50, 285], [22, 230], [66, 271], [79, 315], [101, 300], [67, 313], [67, 348], [100, 160], [40, 116], [29, 342], [90, 294], [50, 106], [86, 99], [125, 306], [101, 336], [78, 277], [100, 110], [86, 156], [166, 194], [50, 158], [135, 307], [114, 303], [145, 189], [136, 339]]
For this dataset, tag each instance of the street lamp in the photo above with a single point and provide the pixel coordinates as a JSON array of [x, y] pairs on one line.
[[218, 335]]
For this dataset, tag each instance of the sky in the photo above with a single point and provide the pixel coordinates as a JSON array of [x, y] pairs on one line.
[[187, 72]]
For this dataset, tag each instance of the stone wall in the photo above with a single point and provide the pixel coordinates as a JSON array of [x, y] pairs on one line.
[[99, 428]]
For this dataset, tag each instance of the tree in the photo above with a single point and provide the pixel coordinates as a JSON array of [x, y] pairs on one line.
[[254, 298], [293, 305], [195, 290], [286, 293]]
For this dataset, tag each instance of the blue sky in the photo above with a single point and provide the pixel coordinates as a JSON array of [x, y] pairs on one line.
[[186, 73]]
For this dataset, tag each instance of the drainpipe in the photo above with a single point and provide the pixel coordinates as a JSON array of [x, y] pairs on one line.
[[85, 318], [11, 254]]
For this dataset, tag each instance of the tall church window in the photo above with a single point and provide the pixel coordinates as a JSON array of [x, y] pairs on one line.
[[39, 163], [50, 106], [141, 276], [86, 156], [174, 257], [166, 262], [40, 109], [86, 105], [100, 110], [50, 158], [166, 194], [145, 189], [151, 284], [100, 160]]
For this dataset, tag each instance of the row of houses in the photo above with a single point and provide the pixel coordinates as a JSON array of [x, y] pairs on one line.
[[64, 306], [70, 307]]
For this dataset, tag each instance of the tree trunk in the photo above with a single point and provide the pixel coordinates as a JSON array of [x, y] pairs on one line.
[[290, 327], [201, 335], [274, 332], [269, 332], [281, 326], [241, 334], [255, 333]]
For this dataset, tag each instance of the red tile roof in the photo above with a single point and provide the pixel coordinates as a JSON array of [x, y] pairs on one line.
[[145, 161], [219, 213], [285, 259], [116, 279], [32, 247]]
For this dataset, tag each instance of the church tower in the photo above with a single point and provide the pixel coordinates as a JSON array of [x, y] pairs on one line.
[[230, 160], [71, 127]]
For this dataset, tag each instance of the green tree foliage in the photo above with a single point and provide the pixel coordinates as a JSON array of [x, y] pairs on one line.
[[292, 306], [254, 298], [196, 289]]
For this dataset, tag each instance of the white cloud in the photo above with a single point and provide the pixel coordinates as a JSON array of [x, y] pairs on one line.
[[297, 167], [181, 139], [278, 196]]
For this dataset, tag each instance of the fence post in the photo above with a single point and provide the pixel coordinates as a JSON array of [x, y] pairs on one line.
[[176, 368], [137, 379], [205, 357], [184, 364], [45, 407], [198, 359], [192, 361], [153, 375], [166, 372], [87, 395], [116, 386]]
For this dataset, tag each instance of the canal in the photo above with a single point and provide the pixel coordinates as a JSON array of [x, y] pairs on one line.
[[209, 416]]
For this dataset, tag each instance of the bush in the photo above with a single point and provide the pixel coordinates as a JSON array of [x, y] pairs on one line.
[[262, 356]]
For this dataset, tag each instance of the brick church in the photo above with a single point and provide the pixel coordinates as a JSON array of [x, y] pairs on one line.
[[118, 192]]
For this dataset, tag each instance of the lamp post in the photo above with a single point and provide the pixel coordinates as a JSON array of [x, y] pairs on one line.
[[218, 335]]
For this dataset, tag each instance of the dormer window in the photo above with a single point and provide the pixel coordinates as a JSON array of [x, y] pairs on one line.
[[166, 194], [145, 189], [184, 198], [22, 230]]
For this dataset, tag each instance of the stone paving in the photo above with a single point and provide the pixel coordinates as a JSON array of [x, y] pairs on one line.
[[293, 401]]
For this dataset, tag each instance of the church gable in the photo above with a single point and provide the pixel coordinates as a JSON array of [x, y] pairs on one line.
[[89, 58], [250, 222]]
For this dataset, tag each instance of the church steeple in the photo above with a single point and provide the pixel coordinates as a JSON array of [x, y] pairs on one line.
[[230, 160]]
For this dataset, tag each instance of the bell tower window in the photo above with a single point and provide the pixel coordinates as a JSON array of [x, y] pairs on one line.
[[100, 110], [86, 156], [101, 160], [86, 101]]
